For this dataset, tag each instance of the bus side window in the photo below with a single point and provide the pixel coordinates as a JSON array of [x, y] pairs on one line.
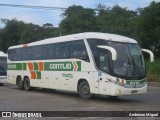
[[39, 52], [25, 54], [11, 54], [101, 57], [61, 51], [51, 51], [18, 55], [32, 53], [78, 50], [47, 51]]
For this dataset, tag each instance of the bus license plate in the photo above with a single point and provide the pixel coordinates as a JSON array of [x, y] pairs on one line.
[[133, 91]]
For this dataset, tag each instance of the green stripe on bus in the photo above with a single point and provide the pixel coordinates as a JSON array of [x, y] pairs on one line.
[[49, 66], [129, 82], [38, 74], [79, 65], [17, 66], [136, 81], [35, 66]]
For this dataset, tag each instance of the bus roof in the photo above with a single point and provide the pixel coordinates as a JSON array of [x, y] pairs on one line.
[[86, 35], [2, 54]]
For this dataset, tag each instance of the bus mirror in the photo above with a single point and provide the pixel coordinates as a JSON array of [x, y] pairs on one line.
[[112, 50], [151, 54]]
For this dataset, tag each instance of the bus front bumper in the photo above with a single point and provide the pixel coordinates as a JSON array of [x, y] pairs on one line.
[[3, 79], [117, 90]]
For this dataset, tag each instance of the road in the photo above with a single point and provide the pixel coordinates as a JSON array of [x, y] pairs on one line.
[[12, 99]]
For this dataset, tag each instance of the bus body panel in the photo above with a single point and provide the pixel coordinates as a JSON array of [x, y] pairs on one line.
[[54, 80]]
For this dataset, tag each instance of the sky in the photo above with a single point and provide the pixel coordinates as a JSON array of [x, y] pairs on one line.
[[40, 17]]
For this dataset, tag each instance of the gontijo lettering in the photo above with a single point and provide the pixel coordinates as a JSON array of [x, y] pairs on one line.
[[63, 66], [60, 66]]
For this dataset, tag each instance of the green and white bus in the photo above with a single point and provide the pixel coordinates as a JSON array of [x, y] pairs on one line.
[[3, 68], [88, 63]]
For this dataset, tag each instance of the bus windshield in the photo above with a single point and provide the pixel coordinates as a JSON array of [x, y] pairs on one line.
[[130, 62], [3, 66]]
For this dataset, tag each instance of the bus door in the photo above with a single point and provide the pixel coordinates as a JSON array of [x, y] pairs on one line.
[[103, 77]]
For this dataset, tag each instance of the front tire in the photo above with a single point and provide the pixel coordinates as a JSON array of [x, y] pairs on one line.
[[84, 90]]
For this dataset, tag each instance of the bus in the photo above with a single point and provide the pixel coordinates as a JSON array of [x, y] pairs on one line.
[[3, 68], [87, 63]]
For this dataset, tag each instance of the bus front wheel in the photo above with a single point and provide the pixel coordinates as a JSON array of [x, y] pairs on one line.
[[84, 90]]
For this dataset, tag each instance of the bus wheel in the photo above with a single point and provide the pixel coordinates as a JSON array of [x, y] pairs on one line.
[[20, 83], [84, 90], [1, 84], [27, 84]]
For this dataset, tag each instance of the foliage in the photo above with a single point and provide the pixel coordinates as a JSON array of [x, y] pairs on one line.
[[153, 71], [116, 20], [78, 19], [149, 27], [17, 32]]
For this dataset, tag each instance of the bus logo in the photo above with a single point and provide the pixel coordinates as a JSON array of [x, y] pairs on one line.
[[63, 66]]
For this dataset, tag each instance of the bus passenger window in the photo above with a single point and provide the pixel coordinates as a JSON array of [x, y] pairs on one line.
[[101, 56], [61, 51], [78, 50]]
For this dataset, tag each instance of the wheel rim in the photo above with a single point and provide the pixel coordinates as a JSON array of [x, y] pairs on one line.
[[85, 89]]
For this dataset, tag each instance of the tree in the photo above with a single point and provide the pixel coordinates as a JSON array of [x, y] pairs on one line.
[[115, 20], [10, 35], [78, 19], [149, 27], [17, 32]]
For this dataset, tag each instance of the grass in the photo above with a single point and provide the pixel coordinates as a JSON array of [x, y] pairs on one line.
[[153, 71]]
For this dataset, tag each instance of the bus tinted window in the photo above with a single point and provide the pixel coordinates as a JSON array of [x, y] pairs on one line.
[[25, 56], [101, 56], [48, 51], [3, 66], [11, 54], [62, 50], [78, 50]]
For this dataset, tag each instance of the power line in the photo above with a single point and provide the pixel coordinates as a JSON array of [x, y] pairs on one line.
[[36, 7], [33, 7]]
